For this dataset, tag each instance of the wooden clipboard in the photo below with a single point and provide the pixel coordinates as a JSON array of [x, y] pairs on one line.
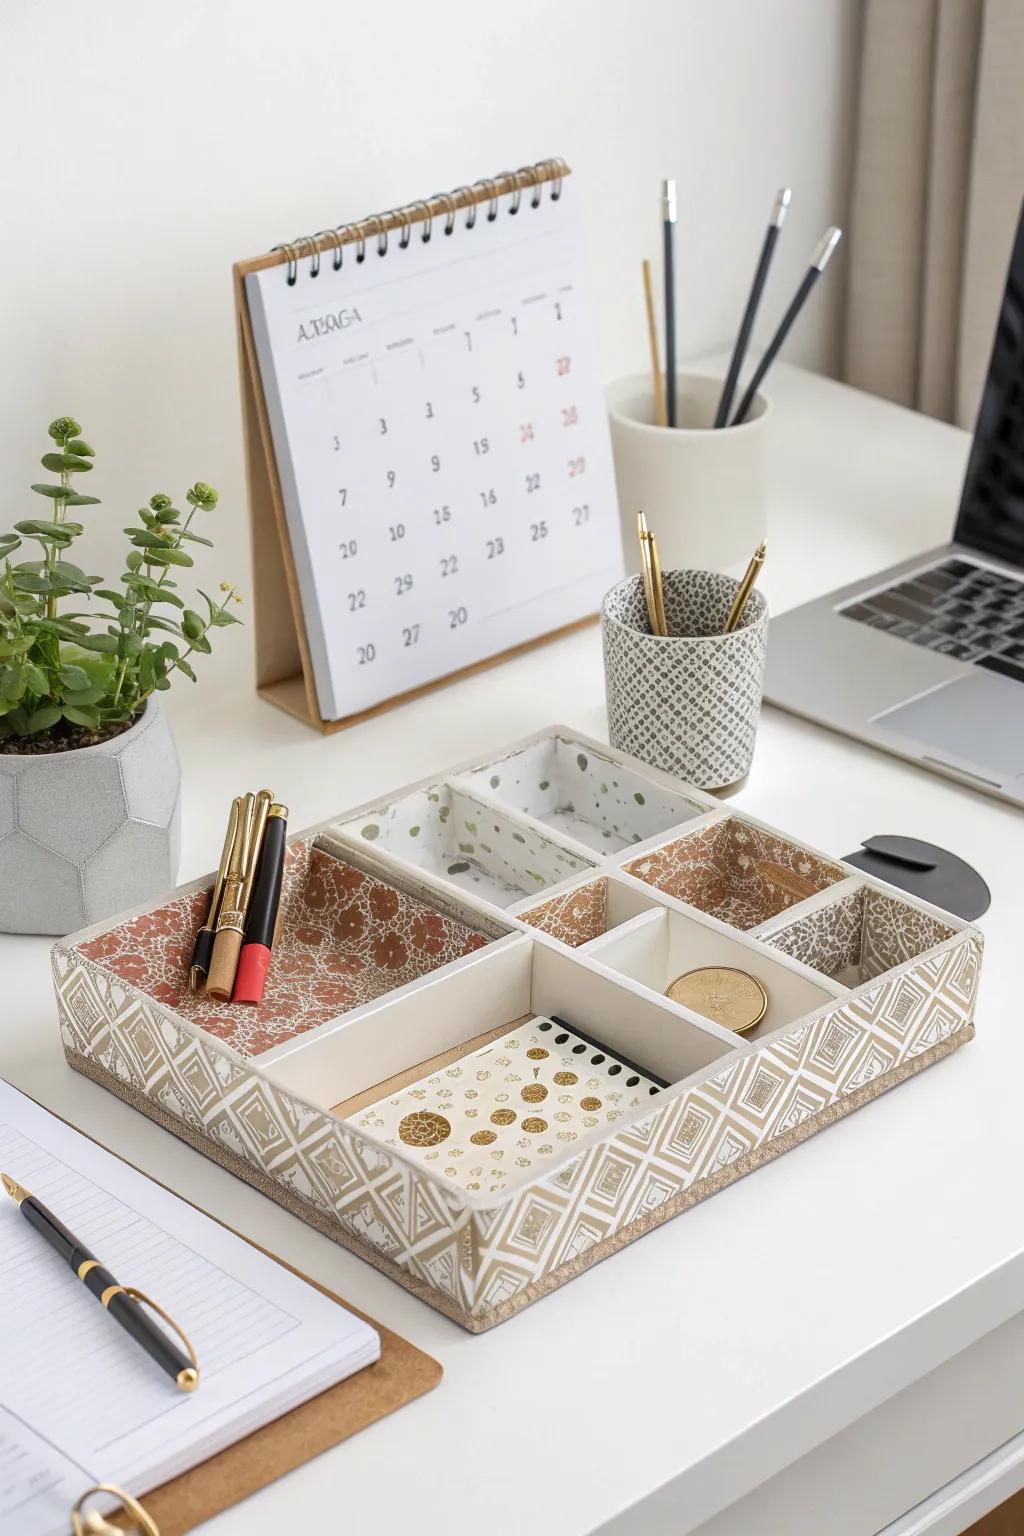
[[284, 669], [402, 1374]]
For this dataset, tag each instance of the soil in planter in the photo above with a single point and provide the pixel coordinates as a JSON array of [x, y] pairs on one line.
[[62, 737]]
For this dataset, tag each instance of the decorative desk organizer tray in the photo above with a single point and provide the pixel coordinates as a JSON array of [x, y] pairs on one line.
[[466, 1067]]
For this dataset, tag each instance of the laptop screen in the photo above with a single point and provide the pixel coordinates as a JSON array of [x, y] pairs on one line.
[[991, 516]]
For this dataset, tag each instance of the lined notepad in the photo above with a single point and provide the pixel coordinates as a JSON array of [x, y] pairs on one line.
[[79, 1401]]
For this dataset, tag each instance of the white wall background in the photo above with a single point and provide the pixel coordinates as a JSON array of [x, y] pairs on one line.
[[147, 146]]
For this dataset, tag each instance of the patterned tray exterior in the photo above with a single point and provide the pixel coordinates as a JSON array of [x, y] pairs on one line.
[[900, 982]]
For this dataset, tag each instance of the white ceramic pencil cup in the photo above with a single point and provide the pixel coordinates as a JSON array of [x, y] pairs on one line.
[[687, 702], [703, 490]]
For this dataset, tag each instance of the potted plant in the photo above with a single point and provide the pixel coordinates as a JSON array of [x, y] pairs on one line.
[[89, 774]]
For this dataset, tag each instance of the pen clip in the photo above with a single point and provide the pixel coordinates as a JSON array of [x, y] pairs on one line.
[[191, 1382], [95, 1525]]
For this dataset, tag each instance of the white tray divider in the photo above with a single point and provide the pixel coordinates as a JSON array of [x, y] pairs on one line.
[[352, 1052]]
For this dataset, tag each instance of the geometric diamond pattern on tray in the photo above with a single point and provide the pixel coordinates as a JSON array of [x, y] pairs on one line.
[[479, 1257]]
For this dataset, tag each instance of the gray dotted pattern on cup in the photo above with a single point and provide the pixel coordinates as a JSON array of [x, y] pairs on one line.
[[687, 702]]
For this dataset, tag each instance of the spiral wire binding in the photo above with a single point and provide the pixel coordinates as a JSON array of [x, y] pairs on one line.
[[446, 205]]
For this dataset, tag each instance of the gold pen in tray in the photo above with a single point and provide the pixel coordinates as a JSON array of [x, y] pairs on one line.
[[245, 851]]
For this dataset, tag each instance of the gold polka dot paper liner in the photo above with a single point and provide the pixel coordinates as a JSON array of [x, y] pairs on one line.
[[491, 1118]]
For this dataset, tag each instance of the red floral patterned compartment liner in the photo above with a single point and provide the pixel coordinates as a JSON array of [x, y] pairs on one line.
[[345, 938]]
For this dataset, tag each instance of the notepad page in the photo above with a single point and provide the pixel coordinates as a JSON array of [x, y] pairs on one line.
[[442, 445], [79, 1400]]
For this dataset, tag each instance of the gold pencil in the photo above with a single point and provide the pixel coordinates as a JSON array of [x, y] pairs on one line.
[[656, 583], [202, 950], [660, 413], [745, 587]]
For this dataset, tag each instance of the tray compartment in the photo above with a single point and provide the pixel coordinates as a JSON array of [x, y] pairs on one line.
[[664, 944], [735, 871], [449, 833], [346, 937], [578, 792], [859, 936], [579, 915]]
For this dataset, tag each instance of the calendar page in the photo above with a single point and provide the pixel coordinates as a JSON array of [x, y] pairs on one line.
[[442, 445]]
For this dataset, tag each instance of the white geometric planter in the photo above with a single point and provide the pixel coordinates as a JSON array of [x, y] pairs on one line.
[[89, 833]]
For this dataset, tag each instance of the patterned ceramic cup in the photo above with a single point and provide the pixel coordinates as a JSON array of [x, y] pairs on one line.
[[687, 702]]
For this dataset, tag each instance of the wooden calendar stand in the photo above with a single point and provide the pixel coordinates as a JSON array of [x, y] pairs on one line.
[[284, 670]]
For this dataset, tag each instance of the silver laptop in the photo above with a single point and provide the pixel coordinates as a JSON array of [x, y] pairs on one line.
[[926, 659]]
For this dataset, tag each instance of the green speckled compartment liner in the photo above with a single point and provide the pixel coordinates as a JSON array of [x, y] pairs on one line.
[[449, 833], [568, 785]]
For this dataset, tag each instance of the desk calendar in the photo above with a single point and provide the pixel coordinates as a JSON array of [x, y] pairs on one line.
[[427, 428]]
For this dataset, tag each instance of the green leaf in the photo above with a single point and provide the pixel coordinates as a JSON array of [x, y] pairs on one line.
[[147, 671], [191, 624], [36, 680], [129, 645], [9, 542], [202, 645], [196, 538], [143, 539], [183, 666], [74, 677], [12, 681], [55, 492], [78, 445], [151, 592], [134, 560], [155, 621], [41, 719], [97, 668], [28, 581], [82, 501], [32, 527], [90, 695], [116, 599], [168, 515], [168, 651], [18, 720], [163, 683], [107, 643], [166, 556], [82, 714], [61, 461]]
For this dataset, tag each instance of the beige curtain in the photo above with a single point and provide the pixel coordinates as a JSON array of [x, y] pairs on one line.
[[937, 188]]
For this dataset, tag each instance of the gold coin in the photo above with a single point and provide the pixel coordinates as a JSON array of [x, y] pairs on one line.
[[590, 1103], [503, 1117], [424, 1129], [566, 1079], [536, 1053], [534, 1125], [483, 1138], [730, 997], [533, 1093]]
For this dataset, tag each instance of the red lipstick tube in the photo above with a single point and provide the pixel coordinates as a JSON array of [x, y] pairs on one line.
[[254, 960]]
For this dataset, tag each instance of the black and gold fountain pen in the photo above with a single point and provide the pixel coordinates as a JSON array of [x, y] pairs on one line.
[[122, 1302]]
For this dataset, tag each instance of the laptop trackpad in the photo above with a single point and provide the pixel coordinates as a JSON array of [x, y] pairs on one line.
[[978, 719]]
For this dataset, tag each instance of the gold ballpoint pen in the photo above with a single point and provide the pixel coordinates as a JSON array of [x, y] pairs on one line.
[[745, 587], [651, 570], [202, 950], [231, 917]]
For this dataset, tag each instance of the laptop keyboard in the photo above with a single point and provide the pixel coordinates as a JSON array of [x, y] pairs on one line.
[[960, 609]]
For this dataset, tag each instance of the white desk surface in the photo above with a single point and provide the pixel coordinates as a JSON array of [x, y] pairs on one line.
[[696, 1364]]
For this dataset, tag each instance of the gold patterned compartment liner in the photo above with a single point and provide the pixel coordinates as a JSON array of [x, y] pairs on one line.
[[787, 880]]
